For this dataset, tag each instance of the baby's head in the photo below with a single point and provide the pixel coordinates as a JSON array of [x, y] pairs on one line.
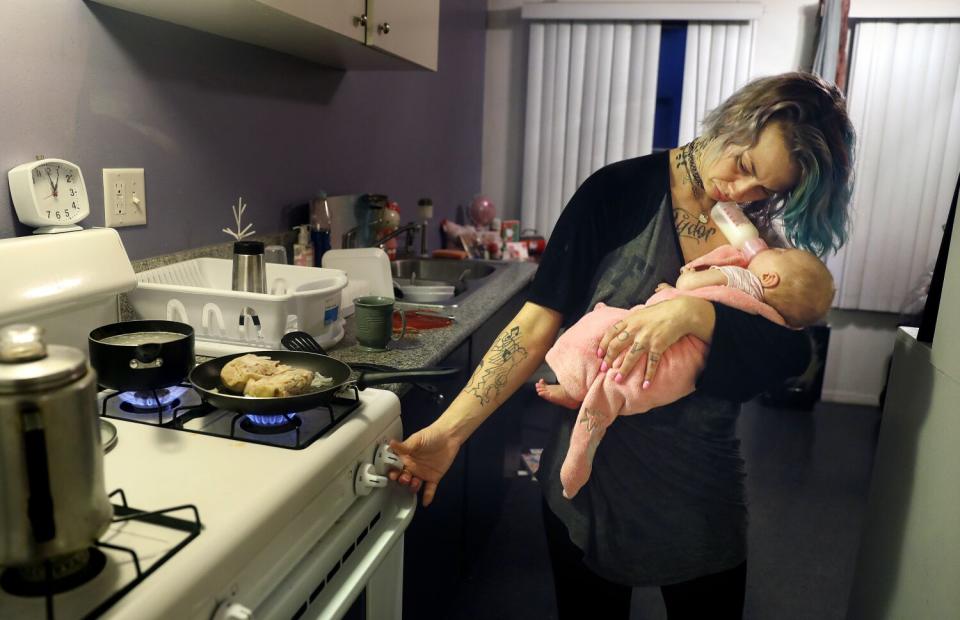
[[796, 283]]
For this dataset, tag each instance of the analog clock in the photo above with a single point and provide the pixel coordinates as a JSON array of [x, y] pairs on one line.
[[49, 194]]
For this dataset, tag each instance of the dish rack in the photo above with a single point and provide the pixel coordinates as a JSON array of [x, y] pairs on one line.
[[198, 292]]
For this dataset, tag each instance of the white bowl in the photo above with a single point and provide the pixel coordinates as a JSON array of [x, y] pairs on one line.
[[427, 294]]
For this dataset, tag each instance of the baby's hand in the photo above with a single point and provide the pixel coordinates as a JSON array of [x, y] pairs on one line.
[[663, 286]]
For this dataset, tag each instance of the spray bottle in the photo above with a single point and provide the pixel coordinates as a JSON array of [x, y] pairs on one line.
[[738, 229]]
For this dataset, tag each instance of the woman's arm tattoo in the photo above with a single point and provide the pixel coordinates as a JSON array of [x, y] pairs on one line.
[[493, 373]]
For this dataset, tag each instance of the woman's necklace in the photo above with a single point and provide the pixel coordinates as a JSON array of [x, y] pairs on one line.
[[687, 159]]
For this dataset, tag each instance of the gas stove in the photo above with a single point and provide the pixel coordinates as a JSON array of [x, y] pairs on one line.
[[282, 516], [278, 530], [179, 407]]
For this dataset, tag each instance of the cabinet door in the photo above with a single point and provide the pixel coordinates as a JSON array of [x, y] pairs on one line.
[[342, 17], [406, 28], [433, 561]]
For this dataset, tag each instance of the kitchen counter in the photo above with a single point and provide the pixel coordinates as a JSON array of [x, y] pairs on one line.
[[426, 348], [429, 347]]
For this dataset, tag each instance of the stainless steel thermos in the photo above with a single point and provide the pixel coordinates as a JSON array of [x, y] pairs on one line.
[[249, 274], [53, 499]]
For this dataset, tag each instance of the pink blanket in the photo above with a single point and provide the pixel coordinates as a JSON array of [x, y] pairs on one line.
[[573, 358]]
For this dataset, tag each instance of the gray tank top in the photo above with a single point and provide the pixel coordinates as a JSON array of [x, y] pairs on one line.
[[665, 501]]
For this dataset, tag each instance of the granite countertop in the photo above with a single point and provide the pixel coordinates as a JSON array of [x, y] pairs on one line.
[[429, 347]]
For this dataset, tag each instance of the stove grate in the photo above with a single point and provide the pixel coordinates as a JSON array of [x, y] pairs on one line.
[[48, 588]]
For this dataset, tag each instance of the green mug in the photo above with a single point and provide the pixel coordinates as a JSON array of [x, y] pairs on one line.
[[374, 322]]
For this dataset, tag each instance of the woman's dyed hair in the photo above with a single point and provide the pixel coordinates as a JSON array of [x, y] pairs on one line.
[[813, 116]]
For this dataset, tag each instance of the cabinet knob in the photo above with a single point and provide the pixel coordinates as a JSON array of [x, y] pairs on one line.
[[360, 21], [384, 28]]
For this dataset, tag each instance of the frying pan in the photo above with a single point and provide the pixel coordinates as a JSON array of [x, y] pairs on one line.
[[205, 378]]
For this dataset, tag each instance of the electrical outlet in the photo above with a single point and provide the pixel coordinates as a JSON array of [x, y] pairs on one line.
[[124, 197]]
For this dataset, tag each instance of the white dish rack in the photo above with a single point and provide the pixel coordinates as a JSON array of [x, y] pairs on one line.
[[198, 292]]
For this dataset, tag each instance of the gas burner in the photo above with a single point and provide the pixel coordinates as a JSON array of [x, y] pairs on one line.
[[145, 401], [54, 576], [270, 424]]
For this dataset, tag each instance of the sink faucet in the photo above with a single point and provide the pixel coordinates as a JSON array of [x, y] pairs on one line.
[[349, 239], [409, 230]]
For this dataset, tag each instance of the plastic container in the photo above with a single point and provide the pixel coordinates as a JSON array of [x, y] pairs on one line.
[[198, 292], [738, 229]]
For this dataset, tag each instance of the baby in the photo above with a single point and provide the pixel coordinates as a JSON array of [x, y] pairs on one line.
[[788, 286]]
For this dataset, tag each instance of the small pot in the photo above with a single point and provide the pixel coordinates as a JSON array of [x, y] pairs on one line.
[[135, 363]]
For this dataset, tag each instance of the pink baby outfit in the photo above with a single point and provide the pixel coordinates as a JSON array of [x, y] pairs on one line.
[[573, 358]]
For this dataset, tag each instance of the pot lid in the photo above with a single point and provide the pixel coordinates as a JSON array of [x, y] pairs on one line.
[[27, 363]]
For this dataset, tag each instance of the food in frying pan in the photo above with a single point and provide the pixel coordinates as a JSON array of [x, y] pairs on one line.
[[284, 383], [236, 373], [260, 376]]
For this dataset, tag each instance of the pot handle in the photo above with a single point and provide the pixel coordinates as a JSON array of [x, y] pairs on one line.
[[147, 352], [366, 379], [39, 499]]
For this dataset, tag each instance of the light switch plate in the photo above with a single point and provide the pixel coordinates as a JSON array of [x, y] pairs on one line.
[[124, 197]]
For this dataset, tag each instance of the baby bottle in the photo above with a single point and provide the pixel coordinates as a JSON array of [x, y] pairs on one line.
[[738, 229]]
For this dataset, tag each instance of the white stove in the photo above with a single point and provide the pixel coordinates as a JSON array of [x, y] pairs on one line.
[[241, 529], [284, 533]]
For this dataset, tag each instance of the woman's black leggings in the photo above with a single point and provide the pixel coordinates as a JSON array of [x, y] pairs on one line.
[[583, 594]]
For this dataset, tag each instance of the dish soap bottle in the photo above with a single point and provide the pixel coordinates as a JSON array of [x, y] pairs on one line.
[[738, 229], [302, 249], [319, 227]]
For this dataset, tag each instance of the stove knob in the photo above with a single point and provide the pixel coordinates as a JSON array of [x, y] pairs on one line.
[[367, 479], [386, 460], [232, 611]]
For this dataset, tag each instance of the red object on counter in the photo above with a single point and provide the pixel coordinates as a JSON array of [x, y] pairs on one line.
[[456, 254], [536, 244], [419, 320]]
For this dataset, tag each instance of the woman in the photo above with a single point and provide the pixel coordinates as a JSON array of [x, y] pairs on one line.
[[665, 504]]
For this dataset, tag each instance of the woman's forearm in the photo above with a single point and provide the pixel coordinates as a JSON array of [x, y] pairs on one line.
[[515, 354], [701, 318]]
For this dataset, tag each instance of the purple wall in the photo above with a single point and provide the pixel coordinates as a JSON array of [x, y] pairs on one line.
[[211, 119]]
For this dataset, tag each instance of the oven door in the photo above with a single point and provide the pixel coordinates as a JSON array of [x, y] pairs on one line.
[[356, 570]]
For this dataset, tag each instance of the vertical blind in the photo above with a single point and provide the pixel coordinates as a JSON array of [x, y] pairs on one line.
[[717, 63], [904, 102], [591, 98]]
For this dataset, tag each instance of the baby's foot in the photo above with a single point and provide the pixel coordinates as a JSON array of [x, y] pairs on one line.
[[556, 395]]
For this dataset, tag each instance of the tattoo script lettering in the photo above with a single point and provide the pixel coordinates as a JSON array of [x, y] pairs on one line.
[[688, 225], [592, 420], [492, 376]]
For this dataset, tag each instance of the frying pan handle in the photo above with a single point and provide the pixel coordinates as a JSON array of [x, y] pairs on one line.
[[366, 379]]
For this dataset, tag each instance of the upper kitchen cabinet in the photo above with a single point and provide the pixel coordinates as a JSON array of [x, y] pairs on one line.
[[405, 28], [345, 34]]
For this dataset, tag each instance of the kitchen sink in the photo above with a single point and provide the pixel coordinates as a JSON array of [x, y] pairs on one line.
[[445, 270], [466, 276]]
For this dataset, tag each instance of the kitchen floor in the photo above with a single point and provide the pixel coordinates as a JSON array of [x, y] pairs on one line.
[[808, 476]]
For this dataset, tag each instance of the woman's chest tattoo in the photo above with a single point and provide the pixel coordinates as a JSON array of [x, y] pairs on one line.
[[690, 227]]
